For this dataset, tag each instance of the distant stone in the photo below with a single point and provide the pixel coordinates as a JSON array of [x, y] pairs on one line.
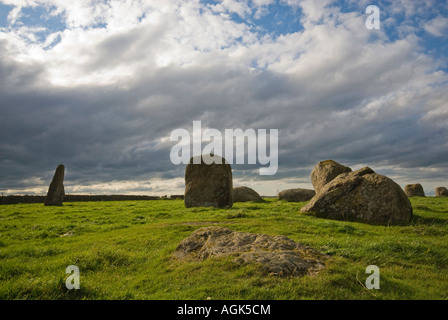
[[441, 192], [276, 255], [208, 184], [363, 196], [325, 171], [177, 196], [56, 193], [296, 195], [414, 190], [245, 194]]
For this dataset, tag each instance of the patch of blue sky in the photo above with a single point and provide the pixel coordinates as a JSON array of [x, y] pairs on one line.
[[346, 6], [4, 12], [273, 20], [278, 20], [437, 48], [430, 44], [41, 17], [37, 18]]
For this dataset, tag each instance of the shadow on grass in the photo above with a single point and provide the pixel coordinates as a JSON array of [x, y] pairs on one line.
[[82, 293], [424, 208], [429, 221]]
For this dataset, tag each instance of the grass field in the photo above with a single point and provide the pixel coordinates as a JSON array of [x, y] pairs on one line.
[[123, 250]]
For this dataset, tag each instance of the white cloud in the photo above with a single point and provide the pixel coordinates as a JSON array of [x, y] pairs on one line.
[[158, 34], [236, 6], [315, 10], [14, 14], [437, 27]]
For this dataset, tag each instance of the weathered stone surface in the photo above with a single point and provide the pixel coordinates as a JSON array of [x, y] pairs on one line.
[[364, 196], [55, 194], [277, 255], [325, 171], [244, 194], [414, 190], [441, 192], [296, 195], [208, 185]]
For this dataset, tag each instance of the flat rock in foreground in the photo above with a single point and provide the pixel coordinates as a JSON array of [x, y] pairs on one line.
[[277, 255], [364, 196]]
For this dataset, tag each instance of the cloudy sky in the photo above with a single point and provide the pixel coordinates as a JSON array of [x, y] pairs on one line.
[[99, 85]]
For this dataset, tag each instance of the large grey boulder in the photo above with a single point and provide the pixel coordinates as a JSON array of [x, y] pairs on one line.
[[364, 196], [208, 184], [325, 171], [276, 255], [441, 192], [245, 194], [56, 192], [296, 195], [414, 190]]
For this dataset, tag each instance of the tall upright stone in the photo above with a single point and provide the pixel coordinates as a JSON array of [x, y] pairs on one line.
[[208, 183], [56, 193]]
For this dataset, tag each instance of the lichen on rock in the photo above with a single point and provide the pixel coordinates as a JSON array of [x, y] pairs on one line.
[[276, 255]]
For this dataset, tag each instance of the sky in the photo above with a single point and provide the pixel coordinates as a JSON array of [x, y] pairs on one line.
[[100, 85]]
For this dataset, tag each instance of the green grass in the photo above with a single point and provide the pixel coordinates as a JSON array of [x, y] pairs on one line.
[[123, 250]]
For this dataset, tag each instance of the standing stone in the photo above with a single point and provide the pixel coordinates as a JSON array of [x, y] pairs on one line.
[[55, 194], [441, 192], [245, 194], [364, 196], [296, 195], [414, 190], [208, 184], [325, 171]]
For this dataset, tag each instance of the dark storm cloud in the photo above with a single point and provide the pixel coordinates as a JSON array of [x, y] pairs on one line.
[[103, 134]]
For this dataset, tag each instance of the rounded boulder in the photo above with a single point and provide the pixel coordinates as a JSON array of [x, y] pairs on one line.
[[363, 196], [414, 190], [325, 171], [245, 194], [441, 192], [296, 195]]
